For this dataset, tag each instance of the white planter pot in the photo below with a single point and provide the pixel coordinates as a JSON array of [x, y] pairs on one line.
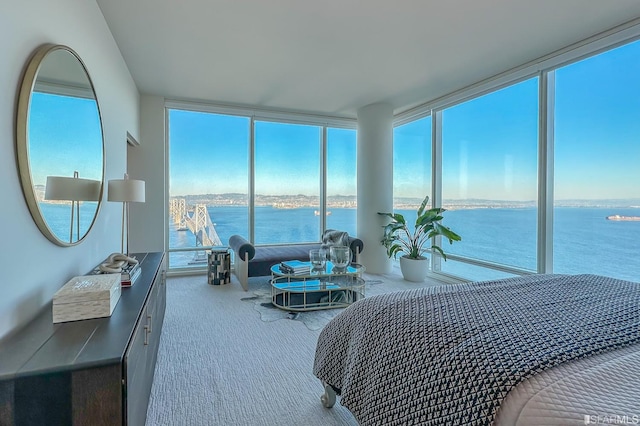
[[414, 269]]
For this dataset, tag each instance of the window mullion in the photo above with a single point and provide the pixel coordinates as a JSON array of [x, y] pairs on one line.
[[323, 180], [252, 181], [436, 176], [546, 113]]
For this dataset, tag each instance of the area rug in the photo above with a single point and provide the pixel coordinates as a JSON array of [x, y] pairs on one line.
[[313, 320]]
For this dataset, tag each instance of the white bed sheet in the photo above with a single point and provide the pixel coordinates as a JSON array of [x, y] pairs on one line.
[[602, 389]]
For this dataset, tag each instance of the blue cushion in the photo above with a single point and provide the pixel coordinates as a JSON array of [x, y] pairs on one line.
[[267, 256]]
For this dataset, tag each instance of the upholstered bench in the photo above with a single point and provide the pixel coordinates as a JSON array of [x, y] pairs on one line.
[[256, 261]]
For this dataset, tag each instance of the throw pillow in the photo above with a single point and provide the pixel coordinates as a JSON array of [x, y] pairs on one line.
[[331, 237]]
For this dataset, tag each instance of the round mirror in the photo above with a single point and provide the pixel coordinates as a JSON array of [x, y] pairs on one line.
[[59, 144]]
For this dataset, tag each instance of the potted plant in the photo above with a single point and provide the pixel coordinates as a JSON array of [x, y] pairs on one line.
[[399, 238]]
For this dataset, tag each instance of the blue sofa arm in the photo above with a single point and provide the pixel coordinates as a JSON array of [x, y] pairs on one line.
[[242, 248], [244, 252], [356, 245]]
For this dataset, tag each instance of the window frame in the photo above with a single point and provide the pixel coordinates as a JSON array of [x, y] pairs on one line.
[[544, 68], [253, 114]]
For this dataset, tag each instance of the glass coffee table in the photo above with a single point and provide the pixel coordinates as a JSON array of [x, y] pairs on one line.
[[328, 288]]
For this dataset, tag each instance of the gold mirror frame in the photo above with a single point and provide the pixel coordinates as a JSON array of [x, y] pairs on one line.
[[23, 142]]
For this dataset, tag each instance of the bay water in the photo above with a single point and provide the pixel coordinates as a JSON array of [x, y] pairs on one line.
[[584, 240]]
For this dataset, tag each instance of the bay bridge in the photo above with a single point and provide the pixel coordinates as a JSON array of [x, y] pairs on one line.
[[195, 219]]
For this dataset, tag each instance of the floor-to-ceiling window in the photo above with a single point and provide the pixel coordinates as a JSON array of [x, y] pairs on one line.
[[341, 180], [411, 166], [597, 156], [208, 182], [287, 182], [489, 178], [488, 146], [493, 155], [265, 180]]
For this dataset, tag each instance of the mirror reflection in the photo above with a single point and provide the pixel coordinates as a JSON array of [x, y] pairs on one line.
[[60, 152]]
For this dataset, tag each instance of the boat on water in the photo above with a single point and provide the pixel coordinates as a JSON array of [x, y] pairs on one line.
[[317, 213], [617, 217]]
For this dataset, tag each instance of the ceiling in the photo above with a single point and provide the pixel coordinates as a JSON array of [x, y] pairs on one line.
[[335, 56]]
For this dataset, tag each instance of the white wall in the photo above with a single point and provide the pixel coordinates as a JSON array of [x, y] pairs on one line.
[[33, 268], [147, 162]]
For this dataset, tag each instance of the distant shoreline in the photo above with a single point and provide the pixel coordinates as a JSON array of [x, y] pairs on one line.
[[400, 203]]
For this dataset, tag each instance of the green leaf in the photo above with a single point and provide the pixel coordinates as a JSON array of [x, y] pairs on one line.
[[423, 205], [435, 247], [446, 232], [396, 217], [398, 238], [428, 217]]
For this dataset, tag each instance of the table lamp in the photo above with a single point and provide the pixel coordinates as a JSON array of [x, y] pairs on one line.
[[126, 191], [74, 189]]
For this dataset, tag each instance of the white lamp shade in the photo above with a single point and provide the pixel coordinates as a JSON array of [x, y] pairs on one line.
[[129, 190], [71, 189]]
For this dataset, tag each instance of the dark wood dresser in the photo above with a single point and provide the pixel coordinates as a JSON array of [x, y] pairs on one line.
[[89, 372]]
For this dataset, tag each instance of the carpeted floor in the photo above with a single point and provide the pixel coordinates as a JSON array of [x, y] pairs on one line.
[[222, 361]]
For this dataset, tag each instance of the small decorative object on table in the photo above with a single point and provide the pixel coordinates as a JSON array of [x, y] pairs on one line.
[[318, 258], [127, 267], [340, 257], [85, 297], [219, 266], [295, 267], [130, 274]]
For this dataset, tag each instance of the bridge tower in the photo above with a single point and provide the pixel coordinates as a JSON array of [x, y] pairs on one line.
[[204, 229], [178, 211], [200, 216], [197, 221]]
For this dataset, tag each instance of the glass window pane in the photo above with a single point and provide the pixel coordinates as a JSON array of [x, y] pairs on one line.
[[208, 175], [489, 176], [597, 152], [287, 183], [472, 272], [411, 166], [341, 180]]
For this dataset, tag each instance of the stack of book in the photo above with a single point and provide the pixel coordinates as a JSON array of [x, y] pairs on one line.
[[295, 267], [128, 276], [130, 273]]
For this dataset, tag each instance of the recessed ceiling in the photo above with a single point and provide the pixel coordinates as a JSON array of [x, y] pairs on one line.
[[336, 56]]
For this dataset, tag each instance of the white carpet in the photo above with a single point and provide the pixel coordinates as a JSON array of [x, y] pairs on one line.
[[219, 363]]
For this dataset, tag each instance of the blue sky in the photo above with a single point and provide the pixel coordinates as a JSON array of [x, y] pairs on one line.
[[287, 158], [64, 136], [598, 126], [209, 154], [489, 143]]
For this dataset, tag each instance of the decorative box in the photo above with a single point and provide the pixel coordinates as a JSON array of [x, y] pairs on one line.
[[85, 297]]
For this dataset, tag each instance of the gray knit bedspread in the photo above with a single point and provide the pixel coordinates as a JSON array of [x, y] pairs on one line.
[[449, 355]]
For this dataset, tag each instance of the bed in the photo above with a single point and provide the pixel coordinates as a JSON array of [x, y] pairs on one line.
[[535, 350]]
